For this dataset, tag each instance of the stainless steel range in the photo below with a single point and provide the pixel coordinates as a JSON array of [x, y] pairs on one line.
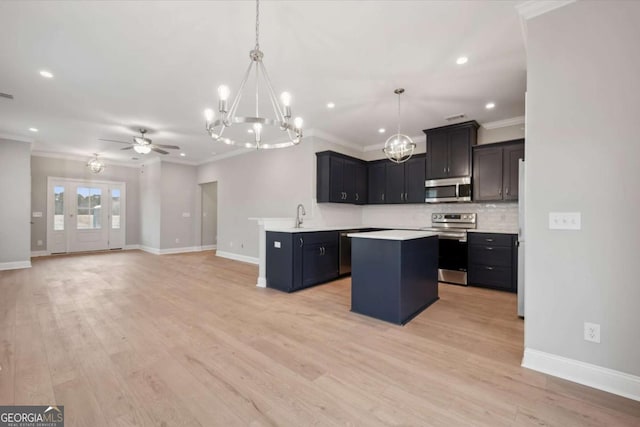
[[452, 234]]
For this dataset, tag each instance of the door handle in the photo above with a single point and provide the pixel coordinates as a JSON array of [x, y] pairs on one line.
[[301, 242]]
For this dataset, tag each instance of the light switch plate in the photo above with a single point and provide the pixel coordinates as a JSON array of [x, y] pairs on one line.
[[565, 221]]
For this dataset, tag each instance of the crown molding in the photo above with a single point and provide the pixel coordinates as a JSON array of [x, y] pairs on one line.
[[226, 155], [79, 158], [316, 133], [504, 123], [532, 8], [16, 138]]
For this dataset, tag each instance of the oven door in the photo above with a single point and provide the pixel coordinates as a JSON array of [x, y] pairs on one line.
[[448, 190], [452, 260]]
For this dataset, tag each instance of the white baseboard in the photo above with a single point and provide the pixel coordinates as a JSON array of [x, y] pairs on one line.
[[262, 282], [238, 257], [171, 251], [36, 254], [605, 379], [131, 247], [15, 265], [209, 247], [149, 249]]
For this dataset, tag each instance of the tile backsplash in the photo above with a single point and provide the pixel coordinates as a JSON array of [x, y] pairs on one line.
[[498, 217]]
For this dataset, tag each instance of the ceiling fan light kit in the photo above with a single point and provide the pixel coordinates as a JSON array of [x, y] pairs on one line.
[[399, 147], [228, 114], [143, 145]]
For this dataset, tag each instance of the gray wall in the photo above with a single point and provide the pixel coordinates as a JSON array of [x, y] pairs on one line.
[[209, 213], [582, 156], [150, 204], [43, 167], [178, 196], [15, 187]]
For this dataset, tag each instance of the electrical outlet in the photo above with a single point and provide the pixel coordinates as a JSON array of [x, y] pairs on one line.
[[231, 244], [592, 332], [177, 240]]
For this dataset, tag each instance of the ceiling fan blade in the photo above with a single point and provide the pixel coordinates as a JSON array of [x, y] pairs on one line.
[[157, 150], [113, 140], [127, 148], [170, 147]]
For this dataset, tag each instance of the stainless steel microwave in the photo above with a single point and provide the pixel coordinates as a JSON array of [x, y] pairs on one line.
[[448, 190]]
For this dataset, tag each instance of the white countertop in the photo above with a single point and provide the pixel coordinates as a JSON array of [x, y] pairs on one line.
[[311, 229], [393, 235]]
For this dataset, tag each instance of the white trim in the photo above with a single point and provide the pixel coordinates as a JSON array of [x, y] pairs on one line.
[[15, 265], [80, 158], [226, 155], [316, 133], [171, 251], [532, 8], [605, 379], [131, 247], [208, 247], [16, 138], [149, 249], [262, 282], [504, 123], [36, 254], [238, 257]]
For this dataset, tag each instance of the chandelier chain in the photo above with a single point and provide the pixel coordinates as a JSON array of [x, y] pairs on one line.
[[399, 113], [257, 24]]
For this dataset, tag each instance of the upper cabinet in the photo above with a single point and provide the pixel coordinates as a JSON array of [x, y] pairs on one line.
[[449, 150], [397, 183], [495, 170], [340, 178]]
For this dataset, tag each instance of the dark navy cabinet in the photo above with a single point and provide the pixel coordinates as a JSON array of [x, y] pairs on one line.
[[299, 260], [449, 150], [397, 183], [340, 178], [496, 170], [377, 174], [493, 260]]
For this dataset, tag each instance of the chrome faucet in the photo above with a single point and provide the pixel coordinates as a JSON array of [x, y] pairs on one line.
[[298, 217]]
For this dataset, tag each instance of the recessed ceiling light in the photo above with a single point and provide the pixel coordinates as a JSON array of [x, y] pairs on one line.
[[46, 74], [331, 105], [462, 60], [33, 129], [182, 155], [382, 130], [489, 105]]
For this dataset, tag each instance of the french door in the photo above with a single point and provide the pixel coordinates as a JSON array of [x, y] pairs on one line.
[[85, 215]]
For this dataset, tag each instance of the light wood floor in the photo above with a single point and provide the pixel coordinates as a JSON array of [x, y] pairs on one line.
[[136, 339]]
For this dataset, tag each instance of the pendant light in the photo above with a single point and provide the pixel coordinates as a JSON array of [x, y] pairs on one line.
[[254, 124], [399, 147], [95, 165]]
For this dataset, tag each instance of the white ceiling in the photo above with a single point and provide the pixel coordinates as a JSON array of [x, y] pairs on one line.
[[122, 65]]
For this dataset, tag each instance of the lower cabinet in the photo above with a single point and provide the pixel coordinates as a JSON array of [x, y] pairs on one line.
[[493, 260], [299, 260]]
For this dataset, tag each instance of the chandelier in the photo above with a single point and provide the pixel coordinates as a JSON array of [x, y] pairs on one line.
[[399, 147], [228, 117], [95, 165]]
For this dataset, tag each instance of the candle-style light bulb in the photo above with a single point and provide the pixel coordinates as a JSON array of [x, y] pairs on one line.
[[208, 115], [285, 97], [223, 92], [298, 123]]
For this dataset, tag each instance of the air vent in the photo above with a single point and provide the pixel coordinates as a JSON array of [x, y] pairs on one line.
[[6, 95], [455, 117]]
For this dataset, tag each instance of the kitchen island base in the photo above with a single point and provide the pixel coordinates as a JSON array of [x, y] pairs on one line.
[[393, 280]]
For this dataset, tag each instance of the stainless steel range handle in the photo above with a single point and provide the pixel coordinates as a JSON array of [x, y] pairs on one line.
[[457, 191]]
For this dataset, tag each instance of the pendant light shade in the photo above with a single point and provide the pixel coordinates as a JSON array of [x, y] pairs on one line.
[[399, 147]]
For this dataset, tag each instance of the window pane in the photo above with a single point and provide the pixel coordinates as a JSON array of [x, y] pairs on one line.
[[115, 209], [89, 215], [58, 208]]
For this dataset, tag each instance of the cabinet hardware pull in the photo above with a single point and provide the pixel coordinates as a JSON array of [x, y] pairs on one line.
[[444, 169], [489, 248], [383, 197], [507, 191], [357, 198], [489, 268], [301, 242], [489, 240], [406, 197], [401, 196], [500, 192]]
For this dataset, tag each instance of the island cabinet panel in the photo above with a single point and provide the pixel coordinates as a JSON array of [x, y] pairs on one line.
[[298, 260], [493, 260], [340, 178], [393, 280], [496, 170], [449, 150]]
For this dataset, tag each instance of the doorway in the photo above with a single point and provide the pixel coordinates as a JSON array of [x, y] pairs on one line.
[[85, 215], [209, 233]]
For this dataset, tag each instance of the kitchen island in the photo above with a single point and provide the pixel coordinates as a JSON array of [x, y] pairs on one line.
[[394, 273]]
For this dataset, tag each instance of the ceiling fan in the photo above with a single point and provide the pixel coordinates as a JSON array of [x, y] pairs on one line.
[[144, 145]]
